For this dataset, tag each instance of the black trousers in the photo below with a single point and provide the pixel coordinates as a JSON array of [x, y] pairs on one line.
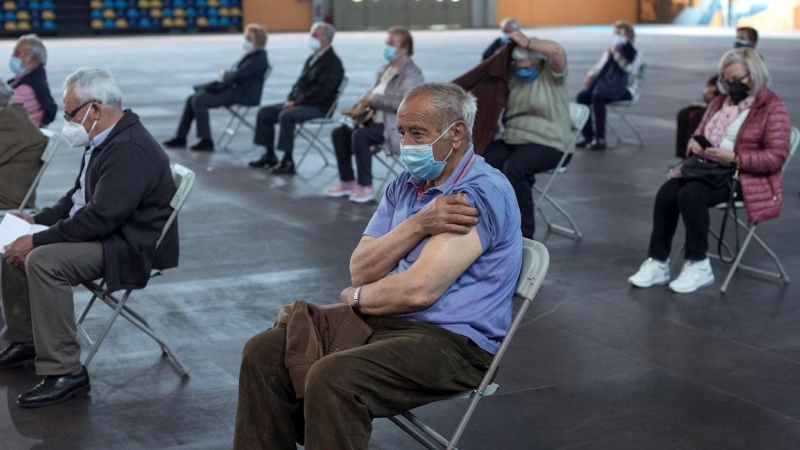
[[690, 200], [520, 163], [271, 115], [597, 102], [196, 108], [348, 142], [688, 120]]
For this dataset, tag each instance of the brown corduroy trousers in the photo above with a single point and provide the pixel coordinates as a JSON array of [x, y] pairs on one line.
[[403, 365]]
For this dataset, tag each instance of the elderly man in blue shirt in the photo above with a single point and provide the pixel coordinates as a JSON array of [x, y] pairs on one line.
[[433, 276]]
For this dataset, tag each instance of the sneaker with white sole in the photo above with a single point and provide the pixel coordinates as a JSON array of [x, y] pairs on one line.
[[363, 194], [650, 273], [694, 275], [342, 189]]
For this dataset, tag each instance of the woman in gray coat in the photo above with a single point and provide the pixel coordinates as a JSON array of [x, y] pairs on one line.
[[372, 122]]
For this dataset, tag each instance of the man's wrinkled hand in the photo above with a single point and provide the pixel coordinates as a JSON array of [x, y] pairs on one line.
[[347, 295], [447, 214], [17, 252]]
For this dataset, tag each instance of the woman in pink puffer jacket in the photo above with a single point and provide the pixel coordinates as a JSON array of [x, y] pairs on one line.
[[748, 126]]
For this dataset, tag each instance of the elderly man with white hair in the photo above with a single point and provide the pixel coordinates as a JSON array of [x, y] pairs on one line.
[[507, 26], [536, 119], [21, 147], [312, 96], [432, 280], [106, 227], [30, 79]]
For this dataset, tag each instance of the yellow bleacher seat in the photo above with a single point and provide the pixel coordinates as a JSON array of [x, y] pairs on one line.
[[23, 26], [9, 6], [97, 24], [155, 13], [48, 15], [167, 22], [179, 12], [202, 22], [179, 22], [96, 4], [23, 15], [11, 26]]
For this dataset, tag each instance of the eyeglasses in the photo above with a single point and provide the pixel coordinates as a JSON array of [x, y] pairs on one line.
[[739, 80], [68, 115]]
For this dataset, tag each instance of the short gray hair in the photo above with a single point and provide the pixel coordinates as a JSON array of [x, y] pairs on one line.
[[753, 63], [95, 85], [6, 93], [451, 103], [523, 54], [327, 29], [37, 47], [510, 21]]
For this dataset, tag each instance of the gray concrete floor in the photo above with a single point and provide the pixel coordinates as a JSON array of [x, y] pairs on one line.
[[597, 366]]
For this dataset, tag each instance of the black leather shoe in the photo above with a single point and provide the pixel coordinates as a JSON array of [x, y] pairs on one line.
[[265, 161], [205, 145], [17, 355], [598, 144], [176, 142], [286, 168], [55, 389], [584, 143]]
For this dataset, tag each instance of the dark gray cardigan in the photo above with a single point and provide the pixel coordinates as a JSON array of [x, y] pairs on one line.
[[128, 189]]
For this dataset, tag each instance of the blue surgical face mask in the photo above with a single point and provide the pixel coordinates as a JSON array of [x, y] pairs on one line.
[[504, 38], [15, 65], [527, 74], [389, 52], [419, 162], [741, 43]]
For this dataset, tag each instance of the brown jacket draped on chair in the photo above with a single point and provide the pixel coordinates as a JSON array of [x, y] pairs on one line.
[[488, 82], [316, 331], [21, 148]]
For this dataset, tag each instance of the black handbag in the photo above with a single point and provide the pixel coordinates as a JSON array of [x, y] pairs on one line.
[[214, 87], [712, 173]]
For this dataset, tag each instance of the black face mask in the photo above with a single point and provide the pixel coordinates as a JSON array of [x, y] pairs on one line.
[[738, 91]]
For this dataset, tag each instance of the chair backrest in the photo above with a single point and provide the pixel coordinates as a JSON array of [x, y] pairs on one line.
[[795, 141], [53, 143], [339, 92], [535, 262], [184, 181]]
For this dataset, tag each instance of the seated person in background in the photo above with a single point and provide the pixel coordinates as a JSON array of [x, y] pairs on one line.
[[614, 78], [242, 85], [537, 121], [746, 37], [375, 117], [21, 147], [748, 125], [507, 26], [106, 227], [312, 96], [30, 80], [433, 276], [689, 118]]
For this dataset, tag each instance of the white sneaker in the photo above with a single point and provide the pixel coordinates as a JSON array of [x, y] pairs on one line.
[[694, 275], [341, 189], [650, 273]]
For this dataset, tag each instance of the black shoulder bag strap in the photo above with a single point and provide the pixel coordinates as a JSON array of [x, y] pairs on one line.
[[730, 207]]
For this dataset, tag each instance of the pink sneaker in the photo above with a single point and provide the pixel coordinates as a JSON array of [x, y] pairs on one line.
[[363, 194], [342, 189]]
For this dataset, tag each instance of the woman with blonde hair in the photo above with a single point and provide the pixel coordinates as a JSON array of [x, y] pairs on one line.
[[747, 126]]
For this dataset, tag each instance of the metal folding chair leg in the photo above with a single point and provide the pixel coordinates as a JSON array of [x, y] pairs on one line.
[[312, 138], [572, 231], [623, 118], [238, 118], [121, 309]]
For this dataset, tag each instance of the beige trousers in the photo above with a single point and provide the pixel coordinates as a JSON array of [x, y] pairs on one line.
[[37, 301]]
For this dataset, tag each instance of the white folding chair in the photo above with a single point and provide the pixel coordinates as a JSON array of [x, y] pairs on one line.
[[53, 143], [579, 114], [621, 110], [184, 180], [238, 118], [311, 129], [751, 235], [390, 161], [535, 261]]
